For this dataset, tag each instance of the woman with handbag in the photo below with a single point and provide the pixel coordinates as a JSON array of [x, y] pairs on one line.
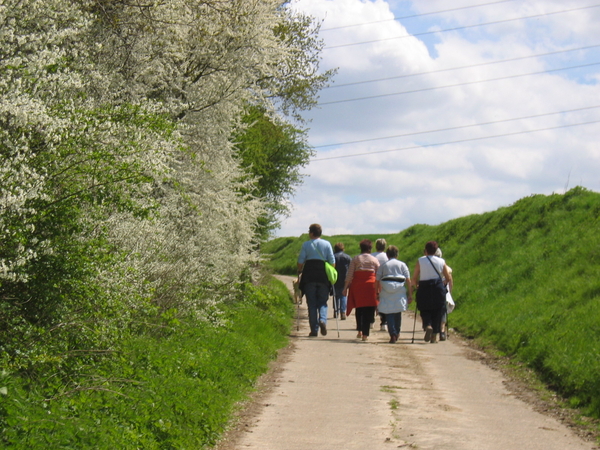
[[431, 292], [360, 282]]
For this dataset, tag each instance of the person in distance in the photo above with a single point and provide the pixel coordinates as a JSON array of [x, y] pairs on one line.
[[381, 256], [342, 264]]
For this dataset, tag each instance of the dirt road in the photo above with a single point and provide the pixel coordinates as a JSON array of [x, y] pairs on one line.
[[338, 393]]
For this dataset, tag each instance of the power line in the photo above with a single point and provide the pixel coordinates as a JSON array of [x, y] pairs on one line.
[[424, 33], [464, 67], [457, 142], [459, 127], [416, 15], [459, 84]]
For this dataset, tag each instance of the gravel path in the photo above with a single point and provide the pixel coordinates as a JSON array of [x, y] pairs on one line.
[[338, 393]]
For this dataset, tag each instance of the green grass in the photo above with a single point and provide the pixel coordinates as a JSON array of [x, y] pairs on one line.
[[176, 389], [527, 281]]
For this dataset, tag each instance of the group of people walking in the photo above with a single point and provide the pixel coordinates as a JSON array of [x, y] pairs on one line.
[[373, 282]]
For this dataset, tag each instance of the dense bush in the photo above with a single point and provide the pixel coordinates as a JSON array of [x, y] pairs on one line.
[[527, 280]]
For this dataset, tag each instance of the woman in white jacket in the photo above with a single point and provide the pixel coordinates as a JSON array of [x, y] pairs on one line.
[[392, 279]]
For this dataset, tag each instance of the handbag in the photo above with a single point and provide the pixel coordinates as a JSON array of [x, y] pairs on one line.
[[330, 271], [449, 300], [449, 303]]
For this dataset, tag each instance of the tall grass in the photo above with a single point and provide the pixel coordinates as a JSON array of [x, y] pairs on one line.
[[175, 389], [527, 280]]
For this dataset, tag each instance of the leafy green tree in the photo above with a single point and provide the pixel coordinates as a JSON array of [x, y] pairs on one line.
[[273, 153]]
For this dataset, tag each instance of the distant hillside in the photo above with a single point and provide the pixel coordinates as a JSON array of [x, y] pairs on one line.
[[527, 279]]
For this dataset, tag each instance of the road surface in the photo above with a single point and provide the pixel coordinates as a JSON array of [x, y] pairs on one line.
[[339, 393]]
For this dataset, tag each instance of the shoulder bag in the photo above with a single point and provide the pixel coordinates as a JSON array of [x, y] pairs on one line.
[[332, 274], [449, 300]]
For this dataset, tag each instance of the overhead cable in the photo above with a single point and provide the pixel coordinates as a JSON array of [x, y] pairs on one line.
[[416, 15], [414, 147], [424, 33], [459, 84], [587, 47], [458, 127]]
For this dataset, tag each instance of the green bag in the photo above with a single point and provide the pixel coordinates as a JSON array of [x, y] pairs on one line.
[[332, 274]]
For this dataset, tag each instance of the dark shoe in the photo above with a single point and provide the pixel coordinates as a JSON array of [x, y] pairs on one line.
[[442, 336], [334, 315], [343, 316], [433, 339], [323, 328], [313, 334], [393, 339], [428, 334]]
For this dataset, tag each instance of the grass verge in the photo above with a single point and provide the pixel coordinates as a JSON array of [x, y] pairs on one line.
[[176, 389]]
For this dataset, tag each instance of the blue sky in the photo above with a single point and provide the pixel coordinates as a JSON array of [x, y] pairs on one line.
[[459, 122]]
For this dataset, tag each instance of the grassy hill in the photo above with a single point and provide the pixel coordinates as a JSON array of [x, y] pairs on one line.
[[527, 280]]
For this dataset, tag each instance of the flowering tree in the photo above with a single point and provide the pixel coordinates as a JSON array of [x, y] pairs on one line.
[[120, 189], [205, 61]]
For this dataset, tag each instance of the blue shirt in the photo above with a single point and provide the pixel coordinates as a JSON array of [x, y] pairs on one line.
[[309, 251]]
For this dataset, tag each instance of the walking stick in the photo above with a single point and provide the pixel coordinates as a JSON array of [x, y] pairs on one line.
[[298, 318], [335, 310], [447, 327], [298, 302], [414, 323], [414, 327]]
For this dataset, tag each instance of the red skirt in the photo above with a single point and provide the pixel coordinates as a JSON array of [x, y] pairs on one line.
[[362, 291]]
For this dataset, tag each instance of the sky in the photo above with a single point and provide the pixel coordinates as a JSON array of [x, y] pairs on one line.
[[444, 109]]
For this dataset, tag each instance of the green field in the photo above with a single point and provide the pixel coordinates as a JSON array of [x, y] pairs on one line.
[[526, 280]]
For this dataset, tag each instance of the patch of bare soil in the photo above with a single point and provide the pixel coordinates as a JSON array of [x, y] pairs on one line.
[[524, 384]]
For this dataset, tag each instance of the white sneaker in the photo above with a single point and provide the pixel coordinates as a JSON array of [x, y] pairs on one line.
[[383, 327]]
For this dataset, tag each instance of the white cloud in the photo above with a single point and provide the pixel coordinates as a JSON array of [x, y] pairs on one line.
[[422, 181]]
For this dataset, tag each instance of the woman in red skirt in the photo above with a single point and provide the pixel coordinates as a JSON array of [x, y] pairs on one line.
[[360, 288]]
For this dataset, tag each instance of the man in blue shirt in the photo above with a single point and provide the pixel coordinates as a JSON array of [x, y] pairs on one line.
[[313, 282]]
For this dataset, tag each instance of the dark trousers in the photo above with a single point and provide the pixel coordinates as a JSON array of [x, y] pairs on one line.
[[364, 317], [433, 318], [394, 323]]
